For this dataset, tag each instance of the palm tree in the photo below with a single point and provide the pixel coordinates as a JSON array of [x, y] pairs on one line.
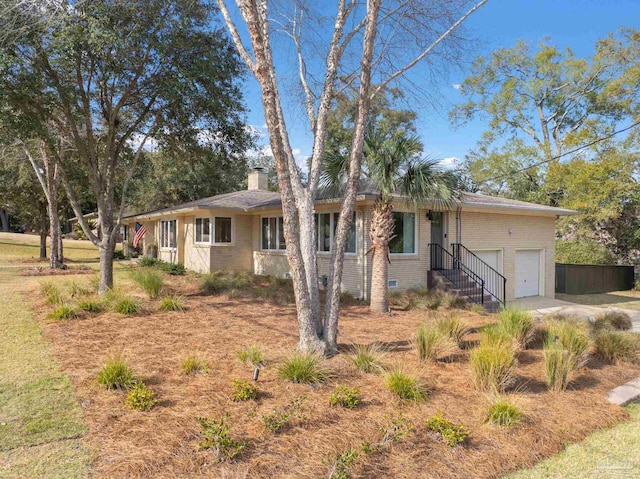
[[392, 164]]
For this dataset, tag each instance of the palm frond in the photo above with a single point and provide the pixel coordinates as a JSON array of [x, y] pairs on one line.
[[424, 181]]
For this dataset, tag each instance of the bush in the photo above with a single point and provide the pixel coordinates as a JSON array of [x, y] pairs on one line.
[[367, 358], [174, 269], [616, 346], [150, 281], [216, 438], [116, 374], [251, 355], [558, 365], [172, 302], [63, 312], [502, 412], [194, 364], [282, 417], [453, 301], [221, 281], [341, 464], [518, 324], [244, 390], [492, 367], [147, 262], [53, 293], [345, 396], [118, 254], [140, 397], [431, 343], [454, 328], [91, 306], [448, 432], [127, 305], [582, 251], [572, 336], [304, 368], [612, 321], [405, 386]]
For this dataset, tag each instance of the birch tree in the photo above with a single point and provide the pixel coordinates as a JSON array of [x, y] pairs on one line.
[[110, 76], [366, 39]]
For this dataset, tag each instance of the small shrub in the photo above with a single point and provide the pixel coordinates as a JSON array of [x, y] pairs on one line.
[[345, 396], [342, 462], [367, 358], [174, 269], [448, 432], [251, 355], [304, 368], [616, 346], [147, 262], [53, 293], [91, 306], [150, 281], [492, 367], [347, 297], [405, 386], [453, 327], [116, 374], [172, 302], [558, 365], [517, 323], [244, 390], [612, 321], [282, 417], [216, 438], [140, 397], [63, 312], [395, 430], [431, 343], [503, 412], [127, 305], [453, 301], [194, 364], [118, 255]]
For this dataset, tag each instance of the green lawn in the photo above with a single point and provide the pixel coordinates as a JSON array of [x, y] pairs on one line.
[[14, 247], [40, 419], [610, 453], [617, 299]]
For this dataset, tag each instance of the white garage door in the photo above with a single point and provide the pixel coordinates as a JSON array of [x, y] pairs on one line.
[[527, 273]]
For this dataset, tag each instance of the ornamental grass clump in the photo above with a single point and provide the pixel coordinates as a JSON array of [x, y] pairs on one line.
[[63, 312], [252, 355], [367, 358], [617, 346], [492, 367], [572, 336], [518, 324], [431, 343], [116, 374], [172, 302], [453, 328], [611, 321], [53, 292], [405, 386], [503, 412], [127, 305], [149, 281], [558, 365], [193, 364], [304, 368]]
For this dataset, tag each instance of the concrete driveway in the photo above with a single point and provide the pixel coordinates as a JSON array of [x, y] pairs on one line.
[[541, 306]]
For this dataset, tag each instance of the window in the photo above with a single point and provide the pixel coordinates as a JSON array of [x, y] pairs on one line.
[[168, 234], [222, 229], [326, 225], [203, 230], [405, 234], [273, 233]]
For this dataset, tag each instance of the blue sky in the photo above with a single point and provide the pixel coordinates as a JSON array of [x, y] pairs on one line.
[[500, 23]]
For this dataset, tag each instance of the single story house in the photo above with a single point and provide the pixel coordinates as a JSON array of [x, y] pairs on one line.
[[507, 246]]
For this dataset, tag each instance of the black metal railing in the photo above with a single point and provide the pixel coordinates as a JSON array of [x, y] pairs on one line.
[[463, 279], [494, 283]]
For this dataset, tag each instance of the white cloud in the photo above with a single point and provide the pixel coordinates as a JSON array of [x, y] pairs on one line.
[[456, 86], [449, 162]]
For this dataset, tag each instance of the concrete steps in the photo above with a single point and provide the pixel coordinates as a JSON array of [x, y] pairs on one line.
[[467, 289]]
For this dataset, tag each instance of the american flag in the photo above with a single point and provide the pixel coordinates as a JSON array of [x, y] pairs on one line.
[[140, 232]]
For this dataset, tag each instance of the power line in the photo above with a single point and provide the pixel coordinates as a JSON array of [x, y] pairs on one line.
[[520, 170]]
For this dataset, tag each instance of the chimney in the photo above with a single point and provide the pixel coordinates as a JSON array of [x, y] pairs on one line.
[[258, 179]]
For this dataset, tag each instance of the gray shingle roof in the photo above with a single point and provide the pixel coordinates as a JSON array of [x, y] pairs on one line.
[[251, 200]]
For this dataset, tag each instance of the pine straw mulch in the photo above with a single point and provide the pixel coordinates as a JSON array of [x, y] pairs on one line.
[[46, 271], [162, 443]]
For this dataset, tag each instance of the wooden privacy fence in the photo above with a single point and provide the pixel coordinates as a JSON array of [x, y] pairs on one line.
[[587, 278]]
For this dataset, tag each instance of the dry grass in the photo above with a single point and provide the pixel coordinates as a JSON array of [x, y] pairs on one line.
[[163, 443]]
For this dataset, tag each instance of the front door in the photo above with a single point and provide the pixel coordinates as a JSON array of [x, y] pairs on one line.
[[437, 228]]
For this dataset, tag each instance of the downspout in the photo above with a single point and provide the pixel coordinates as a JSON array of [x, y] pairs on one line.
[[364, 259], [459, 225]]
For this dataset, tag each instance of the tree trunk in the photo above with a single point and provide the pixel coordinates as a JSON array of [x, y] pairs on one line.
[[43, 245], [54, 231], [60, 250], [4, 220], [106, 264], [381, 233]]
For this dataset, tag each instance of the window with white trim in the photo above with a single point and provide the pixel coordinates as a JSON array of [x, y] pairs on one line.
[[168, 233], [326, 225], [404, 231], [222, 229], [273, 234], [203, 230]]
